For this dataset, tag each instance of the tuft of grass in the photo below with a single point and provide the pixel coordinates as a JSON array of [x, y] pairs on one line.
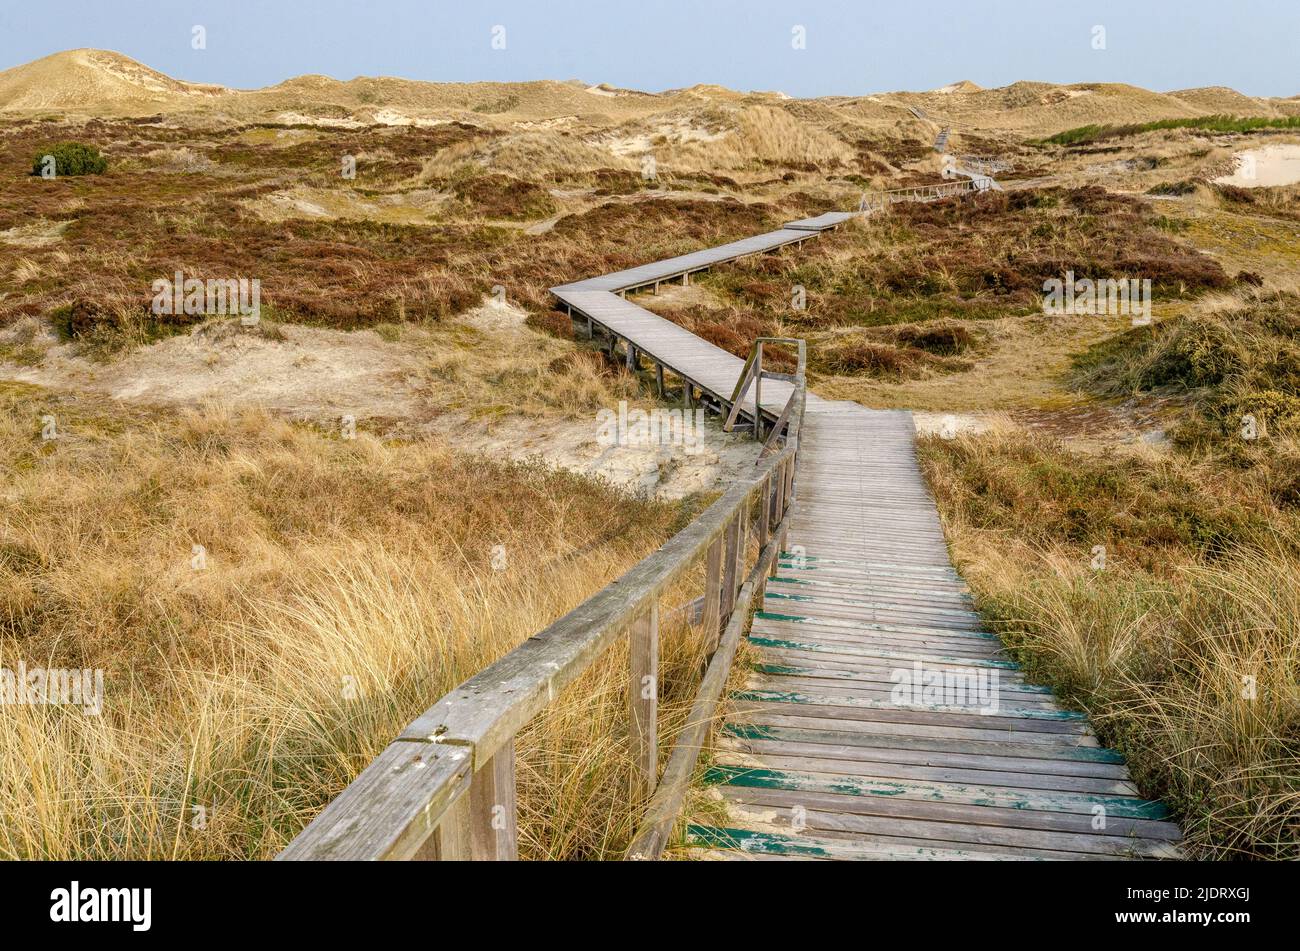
[[1234, 357]]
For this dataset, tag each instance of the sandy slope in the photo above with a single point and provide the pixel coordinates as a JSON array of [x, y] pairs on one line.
[[98, 82]]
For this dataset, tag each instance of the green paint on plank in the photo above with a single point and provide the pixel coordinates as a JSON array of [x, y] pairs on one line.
[[774, 843], [762, 731], [784, 696], [771, 616], [832, 674], [1121, 807], [761, 640], [743, 840], [750, 731]]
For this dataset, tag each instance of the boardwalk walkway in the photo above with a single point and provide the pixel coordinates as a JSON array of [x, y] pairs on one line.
[[817, 758], [879, 721], [824, 754]]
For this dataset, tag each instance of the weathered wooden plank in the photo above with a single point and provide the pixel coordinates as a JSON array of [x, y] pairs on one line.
[[950, 835], [964, 794], [712, 618], [795, 758], [391, 809], [1075, 760], [754, 842], [730, 558], [983, 817]]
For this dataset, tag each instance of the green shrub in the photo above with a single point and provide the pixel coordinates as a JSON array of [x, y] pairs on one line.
[[1088, 134], [1183, 187], [71, 158]]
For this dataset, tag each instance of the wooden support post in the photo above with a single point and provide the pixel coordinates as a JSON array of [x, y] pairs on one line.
[[450, 842], [777, 513], [631, 357], [688, 397], [494, 829], [758, 392], [712, 618], [591, 329], [729, 566], [765, 512], [742, 540], [643, 702], [659, 379], [686, 279]]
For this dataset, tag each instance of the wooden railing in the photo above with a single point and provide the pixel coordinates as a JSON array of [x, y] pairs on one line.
[[754, 373], [445, 788], [985, 166], [872, 201]]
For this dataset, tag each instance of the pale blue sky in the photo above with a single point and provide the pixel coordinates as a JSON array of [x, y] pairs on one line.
[[852, 47]]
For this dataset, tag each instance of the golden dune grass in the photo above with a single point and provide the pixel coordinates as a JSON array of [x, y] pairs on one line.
[[1186, 656], [348, 585]]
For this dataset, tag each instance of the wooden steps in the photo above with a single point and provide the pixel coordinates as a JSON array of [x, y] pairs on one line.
[[834, 748]]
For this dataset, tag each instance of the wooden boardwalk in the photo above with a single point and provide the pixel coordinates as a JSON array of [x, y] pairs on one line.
[[881, 720]]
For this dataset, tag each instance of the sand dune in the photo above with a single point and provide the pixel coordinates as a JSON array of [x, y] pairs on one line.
[[103, 83]]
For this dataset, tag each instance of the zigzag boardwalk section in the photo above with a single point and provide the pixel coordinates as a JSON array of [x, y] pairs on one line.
[[822, 756], [707, 372], [819, 756]]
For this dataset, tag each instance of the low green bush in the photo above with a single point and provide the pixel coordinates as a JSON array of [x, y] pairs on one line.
[[70, 158]]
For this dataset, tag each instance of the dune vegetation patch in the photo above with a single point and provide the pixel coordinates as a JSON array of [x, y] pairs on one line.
[[69, 158], [1234, 361], [898, 351], [496, 196], [270, 604], [1161, 595], [963, 259], [393, 244], [1219, 124]]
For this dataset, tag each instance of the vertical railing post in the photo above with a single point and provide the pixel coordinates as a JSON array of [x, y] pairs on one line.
[[494, 827], [711, 617], [643, 702], [450, 842], [742, 537], [729, 566], [758, 392]]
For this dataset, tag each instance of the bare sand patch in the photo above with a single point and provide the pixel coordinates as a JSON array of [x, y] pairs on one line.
[[1267, 167], [304, 372], [321, 376], [417, 206], [667, 472], [37, 234]]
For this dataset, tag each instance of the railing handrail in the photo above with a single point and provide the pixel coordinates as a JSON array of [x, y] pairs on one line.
[[425, 794]]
